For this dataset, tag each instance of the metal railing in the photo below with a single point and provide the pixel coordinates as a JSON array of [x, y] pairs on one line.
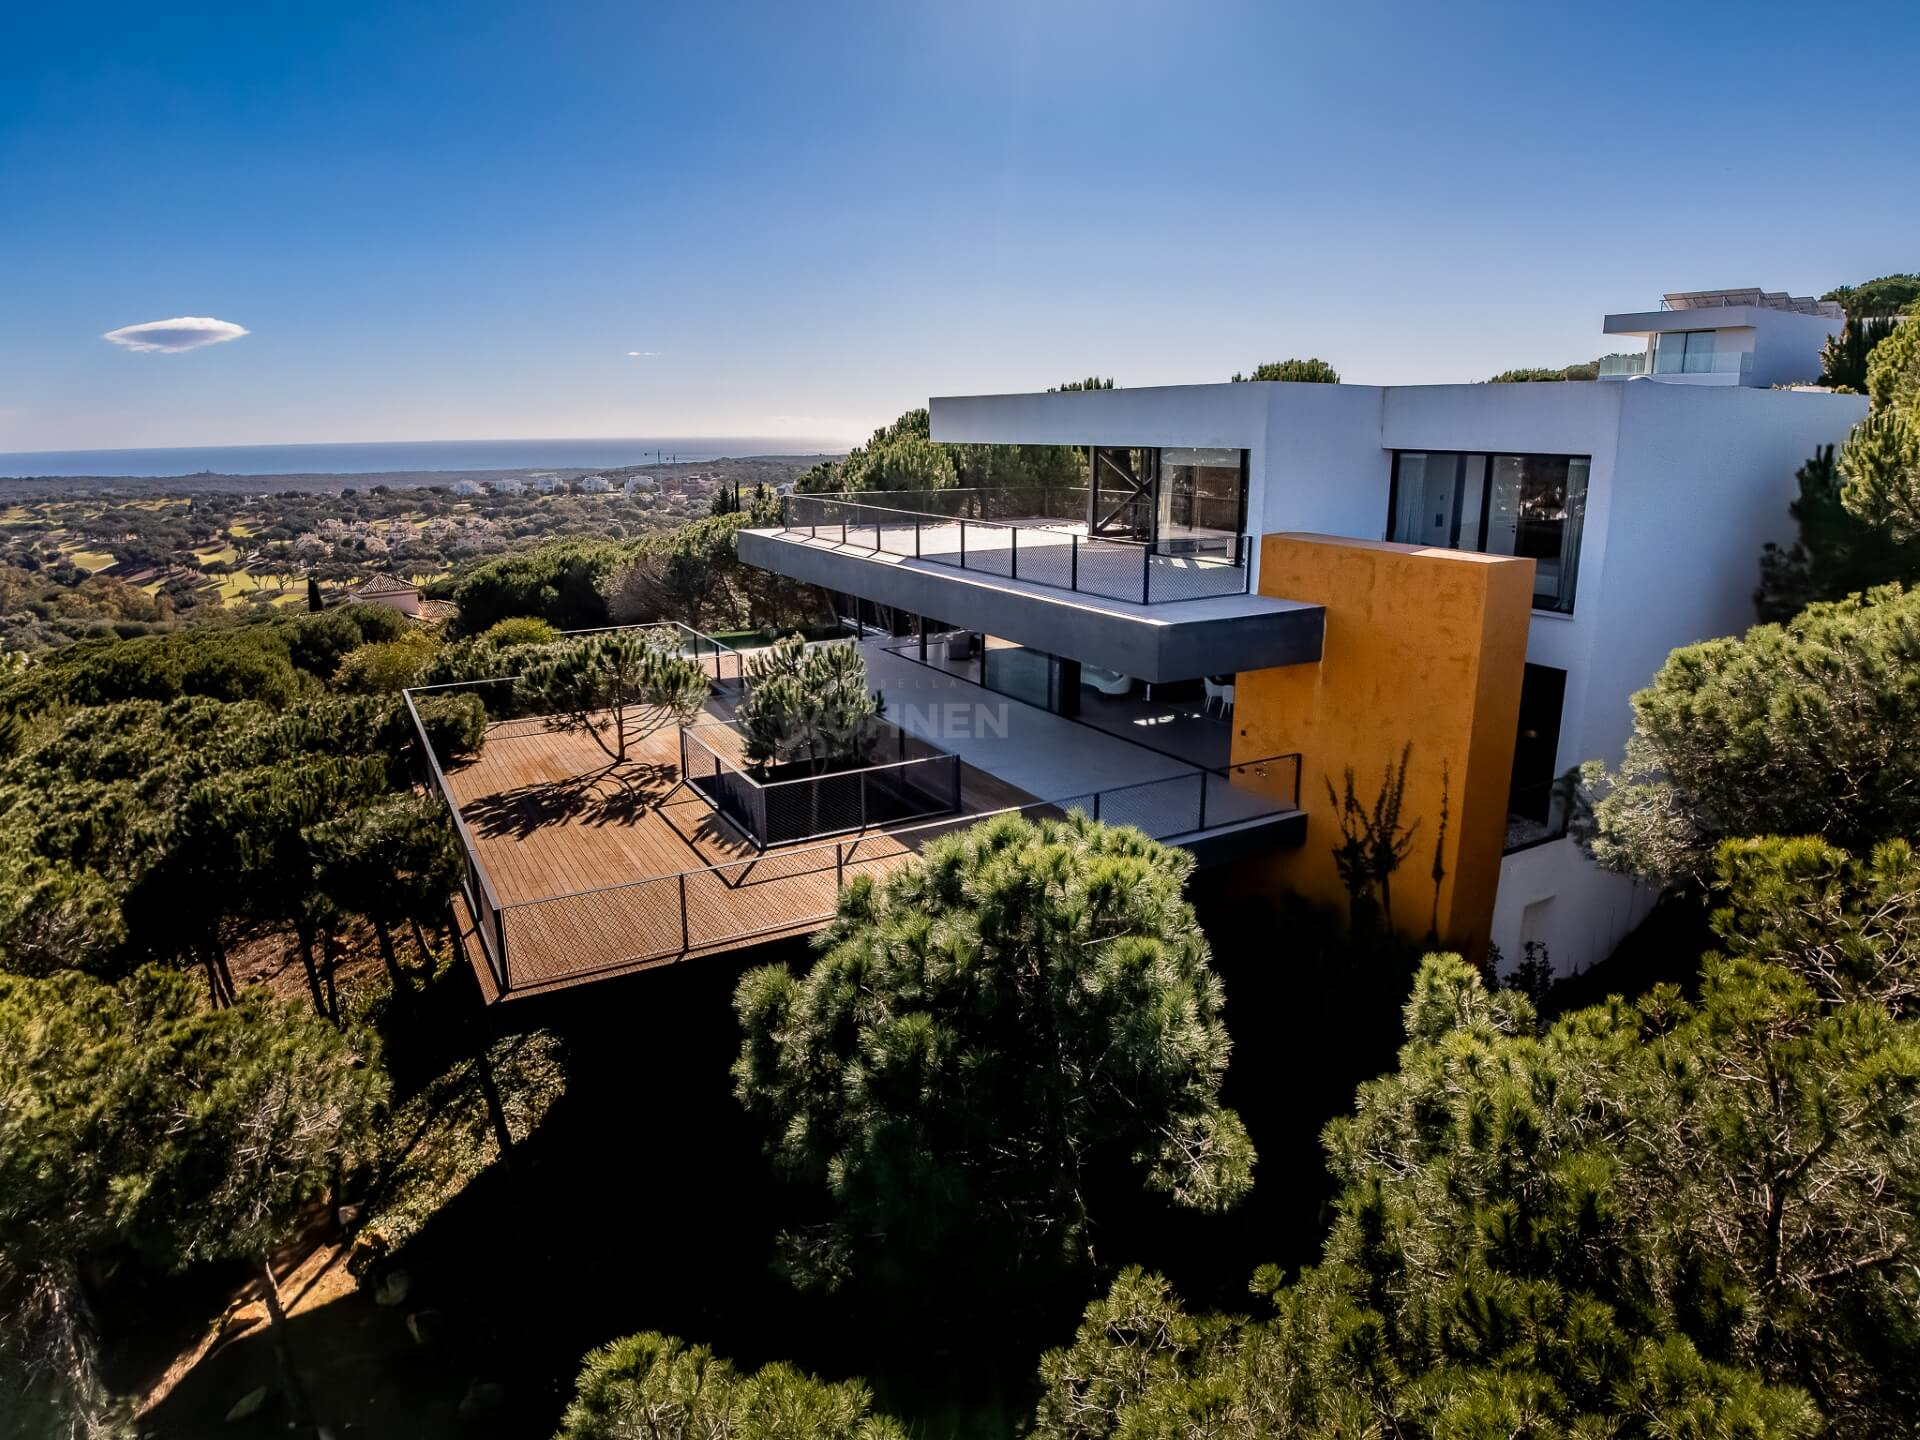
[[1640, 362], [723, 664], [560, 937], [573, 936], [1193, 567], [482, 903], [922, 780]]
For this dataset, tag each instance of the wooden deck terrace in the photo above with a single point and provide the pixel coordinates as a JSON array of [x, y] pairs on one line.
[[592, 869]]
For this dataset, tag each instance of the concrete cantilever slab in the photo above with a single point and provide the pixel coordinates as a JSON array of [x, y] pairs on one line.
[[1158, 643]]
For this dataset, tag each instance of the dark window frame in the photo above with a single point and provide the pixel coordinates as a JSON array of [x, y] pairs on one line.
[[1479, 547], [1150, 485]]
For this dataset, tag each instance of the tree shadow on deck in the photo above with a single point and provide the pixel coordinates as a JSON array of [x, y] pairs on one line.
[[615, 794]]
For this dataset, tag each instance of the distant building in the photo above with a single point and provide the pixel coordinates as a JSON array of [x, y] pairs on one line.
[[388, 590], [1752, 337], [544, 484], [641, 485], [593, 485], [509, 487], [466, 487]]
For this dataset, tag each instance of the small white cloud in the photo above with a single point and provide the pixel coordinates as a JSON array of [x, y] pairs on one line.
[[642, 354], [170, 337]]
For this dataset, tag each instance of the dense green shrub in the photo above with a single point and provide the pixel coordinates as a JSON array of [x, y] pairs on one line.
[[656, 1387], [559, 583], [520, 630], [456, 724]]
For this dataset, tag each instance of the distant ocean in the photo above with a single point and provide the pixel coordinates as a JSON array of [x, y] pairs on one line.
[[405, 455]]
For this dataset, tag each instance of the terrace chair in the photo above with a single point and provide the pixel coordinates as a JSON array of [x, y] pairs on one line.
[[1219, 691]]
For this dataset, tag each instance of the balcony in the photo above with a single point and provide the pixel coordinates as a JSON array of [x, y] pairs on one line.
[[576, 869], [1012, 564], [1730, 365], [1035, 536]]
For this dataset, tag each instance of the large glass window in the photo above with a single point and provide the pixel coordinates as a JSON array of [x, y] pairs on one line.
[[1531, 505], [1683, 352], [1185, 501], [1202, 500]]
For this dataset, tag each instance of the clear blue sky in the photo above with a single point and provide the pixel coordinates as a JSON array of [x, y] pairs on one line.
[[457, 220]]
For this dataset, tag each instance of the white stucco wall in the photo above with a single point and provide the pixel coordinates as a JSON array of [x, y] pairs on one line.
[[1687, 484], [1199, 415], [1702, 480], [1553, 894]]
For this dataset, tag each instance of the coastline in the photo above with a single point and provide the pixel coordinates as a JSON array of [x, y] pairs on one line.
[[21, 487]]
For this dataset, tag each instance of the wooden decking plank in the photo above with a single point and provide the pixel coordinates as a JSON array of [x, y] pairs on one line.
[[551, 817]]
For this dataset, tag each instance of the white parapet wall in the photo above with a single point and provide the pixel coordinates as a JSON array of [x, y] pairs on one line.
[[1554, 895]]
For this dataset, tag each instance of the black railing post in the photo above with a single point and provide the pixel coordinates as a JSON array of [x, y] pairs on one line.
[[500, 945], [839, 866], [1146, 576], [686, 935], [916, 537], [963, 544], [1013, 565], [1203, 800], [1096, 804], [863, 799], [1073, 563]]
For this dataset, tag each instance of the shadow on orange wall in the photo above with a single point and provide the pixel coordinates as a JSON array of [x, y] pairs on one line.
[[1421, 666]]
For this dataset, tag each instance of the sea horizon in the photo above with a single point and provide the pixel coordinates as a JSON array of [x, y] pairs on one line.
[[170, 462]]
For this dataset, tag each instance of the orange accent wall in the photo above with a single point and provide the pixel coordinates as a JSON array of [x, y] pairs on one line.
[[1421, 645]]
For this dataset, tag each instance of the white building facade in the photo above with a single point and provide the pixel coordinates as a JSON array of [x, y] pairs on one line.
[[1644, 504]]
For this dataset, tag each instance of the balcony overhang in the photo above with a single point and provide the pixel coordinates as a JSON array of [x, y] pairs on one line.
[[1666, 322], [1159, 643]]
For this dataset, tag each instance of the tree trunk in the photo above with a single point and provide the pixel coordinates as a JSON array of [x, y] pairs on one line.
[[420, 942], [313, 971], [496, 1112], [216, 992], [328, 960], [226, 974], [299, 1412], [401, 986]]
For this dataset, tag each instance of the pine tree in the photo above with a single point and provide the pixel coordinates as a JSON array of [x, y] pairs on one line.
[[661, 1388], [1675, 1217], [1838, 554], [133, 1116], [1807, 728], [617, 688], [994, 1037], [807, 704], [1314, 371]]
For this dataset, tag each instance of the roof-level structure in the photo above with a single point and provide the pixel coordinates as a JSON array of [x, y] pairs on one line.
[[1752, 295], [379, 586]]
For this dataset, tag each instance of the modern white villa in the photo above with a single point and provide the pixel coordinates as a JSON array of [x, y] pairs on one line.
[[1485, 573]]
